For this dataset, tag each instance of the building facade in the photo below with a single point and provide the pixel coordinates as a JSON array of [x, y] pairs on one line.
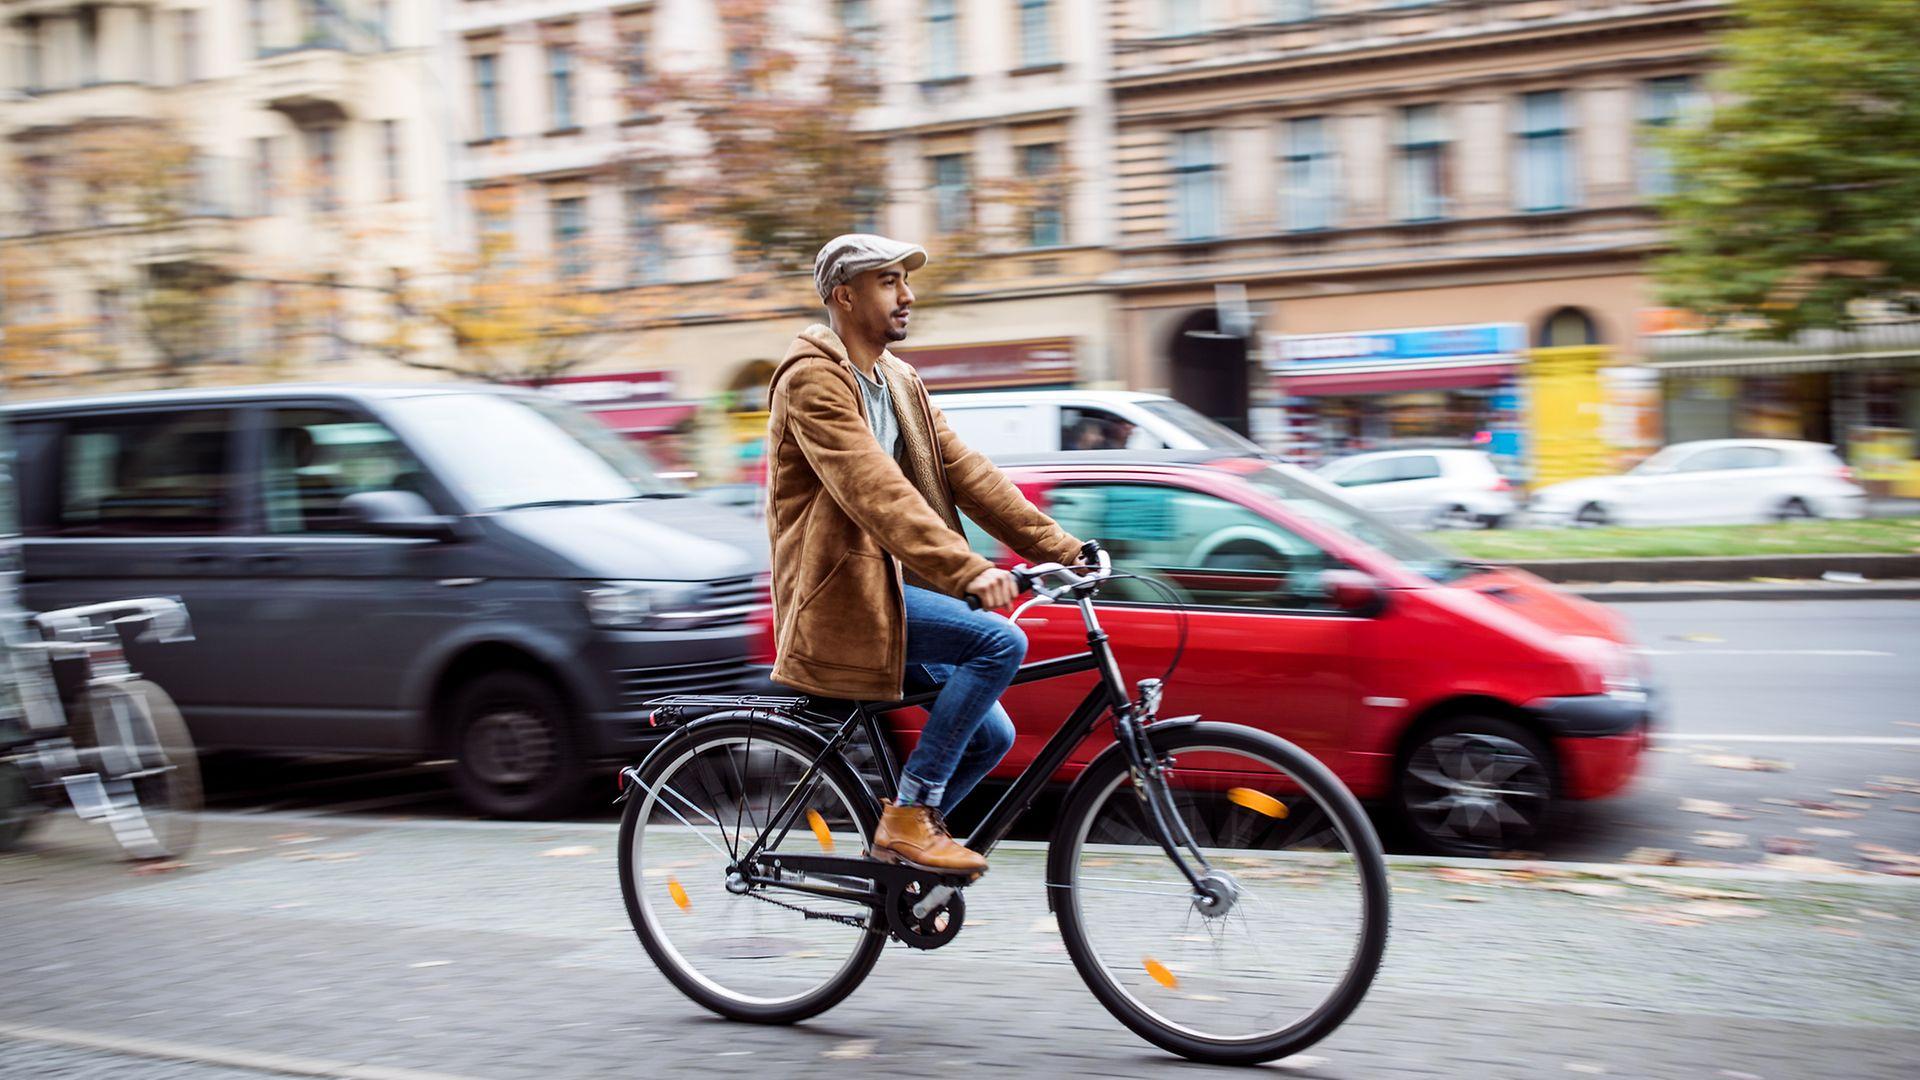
[[216, 189], [1416, 199]]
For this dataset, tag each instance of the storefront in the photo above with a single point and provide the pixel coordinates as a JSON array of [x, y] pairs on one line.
[[1858, 389], [1345, 393], [1001, 365]]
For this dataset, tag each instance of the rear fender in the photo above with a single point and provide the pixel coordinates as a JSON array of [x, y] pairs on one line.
[[806, 736]]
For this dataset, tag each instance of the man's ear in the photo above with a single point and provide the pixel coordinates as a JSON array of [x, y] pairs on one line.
[[840, 301]]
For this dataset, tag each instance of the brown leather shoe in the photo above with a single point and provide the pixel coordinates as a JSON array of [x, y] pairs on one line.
[[918, 836]]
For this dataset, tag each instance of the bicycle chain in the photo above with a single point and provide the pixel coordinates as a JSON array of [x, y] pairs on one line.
[[849, 920]]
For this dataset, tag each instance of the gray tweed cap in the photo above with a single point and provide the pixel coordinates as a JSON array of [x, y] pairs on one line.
[[851, 254]]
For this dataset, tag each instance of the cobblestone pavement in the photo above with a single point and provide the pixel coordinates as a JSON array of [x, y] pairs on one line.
[[371, 948]]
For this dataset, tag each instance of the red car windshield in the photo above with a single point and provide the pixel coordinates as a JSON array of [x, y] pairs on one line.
[[1331, 510]]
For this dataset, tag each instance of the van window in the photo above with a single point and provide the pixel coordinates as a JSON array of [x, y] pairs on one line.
[[1209, 551], [995, 429], [315, 458], [1099, 429], [148, 474], [1375, 471]]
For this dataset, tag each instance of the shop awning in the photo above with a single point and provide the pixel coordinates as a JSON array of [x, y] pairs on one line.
[[647, 419], [1388, 381], [1703, 353]]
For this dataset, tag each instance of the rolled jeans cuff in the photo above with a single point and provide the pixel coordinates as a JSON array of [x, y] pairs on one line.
[[917, 792]]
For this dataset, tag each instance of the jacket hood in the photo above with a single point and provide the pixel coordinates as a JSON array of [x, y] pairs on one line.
[[816, 342]]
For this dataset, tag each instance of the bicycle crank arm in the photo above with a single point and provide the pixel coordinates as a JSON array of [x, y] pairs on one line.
[[889, 876]]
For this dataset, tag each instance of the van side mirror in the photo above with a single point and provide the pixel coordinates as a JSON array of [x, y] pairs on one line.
[[398, 513], [1354, 592]]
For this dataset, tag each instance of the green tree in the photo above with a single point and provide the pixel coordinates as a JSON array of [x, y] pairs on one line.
[[1801, 195]]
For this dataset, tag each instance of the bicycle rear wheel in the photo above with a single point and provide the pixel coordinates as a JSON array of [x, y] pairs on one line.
[[147, 764], [1283, 937], [762, 953]]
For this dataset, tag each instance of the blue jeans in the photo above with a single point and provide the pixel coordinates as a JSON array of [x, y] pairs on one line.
[[975, 654]]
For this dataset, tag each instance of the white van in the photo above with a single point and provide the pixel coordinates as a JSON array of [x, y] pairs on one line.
[[1042, 421]]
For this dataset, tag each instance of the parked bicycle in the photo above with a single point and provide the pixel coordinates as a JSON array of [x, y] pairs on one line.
[[100, 737], [1218, 889]]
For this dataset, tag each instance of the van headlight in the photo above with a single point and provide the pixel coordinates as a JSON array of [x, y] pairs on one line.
[[642, 605]]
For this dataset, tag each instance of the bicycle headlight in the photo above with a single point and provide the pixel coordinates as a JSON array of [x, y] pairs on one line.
[[642, 605]]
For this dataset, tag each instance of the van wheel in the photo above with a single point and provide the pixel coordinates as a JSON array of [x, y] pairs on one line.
[[514, 748], [1476, 785], [1591, 516], [1795, 509]]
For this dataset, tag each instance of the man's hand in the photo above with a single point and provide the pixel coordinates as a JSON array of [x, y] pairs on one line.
[[995, 588]]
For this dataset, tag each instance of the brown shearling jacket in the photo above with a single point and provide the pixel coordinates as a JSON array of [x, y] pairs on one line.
[[850, 524]]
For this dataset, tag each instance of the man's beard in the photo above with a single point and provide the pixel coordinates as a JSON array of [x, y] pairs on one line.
[[895, 332]]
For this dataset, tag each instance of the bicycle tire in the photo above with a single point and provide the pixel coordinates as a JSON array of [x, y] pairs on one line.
[[168, 800], [1321, 785], [837, 771]]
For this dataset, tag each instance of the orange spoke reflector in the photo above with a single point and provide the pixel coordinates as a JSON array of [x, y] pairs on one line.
[[1160, 973], [1257, 801], [679, 894], [819, 825]]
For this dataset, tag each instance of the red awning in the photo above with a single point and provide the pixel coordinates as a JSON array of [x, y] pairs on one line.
[[647, 419], [1386, 382]]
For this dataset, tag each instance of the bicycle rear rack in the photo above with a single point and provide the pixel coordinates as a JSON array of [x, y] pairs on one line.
[[675, 708]]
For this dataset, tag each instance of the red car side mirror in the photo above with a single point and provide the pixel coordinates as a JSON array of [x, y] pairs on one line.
[[1354, 592]]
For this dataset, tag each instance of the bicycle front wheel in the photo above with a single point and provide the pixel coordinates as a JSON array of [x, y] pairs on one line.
[[753, 952], [1280, 940], [147, 764]]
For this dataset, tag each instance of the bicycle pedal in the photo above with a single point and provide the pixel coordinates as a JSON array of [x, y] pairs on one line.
[[89, 796]]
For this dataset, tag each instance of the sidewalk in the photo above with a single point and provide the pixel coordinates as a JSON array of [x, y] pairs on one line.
[[502, 951]]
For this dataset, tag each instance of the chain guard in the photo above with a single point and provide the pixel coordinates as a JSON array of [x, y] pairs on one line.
[[935, 930]]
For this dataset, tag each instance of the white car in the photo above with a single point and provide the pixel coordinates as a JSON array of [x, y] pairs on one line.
[[1007, 422], [1425, 488], [1714, 481]]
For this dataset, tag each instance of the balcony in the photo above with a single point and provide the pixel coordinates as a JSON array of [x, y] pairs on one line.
[[312, 85], [49, 111]]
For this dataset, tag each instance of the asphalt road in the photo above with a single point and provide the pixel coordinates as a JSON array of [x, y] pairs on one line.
[[1827, 692]]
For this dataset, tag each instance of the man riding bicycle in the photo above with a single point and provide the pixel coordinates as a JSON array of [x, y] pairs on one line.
[[865, 481]]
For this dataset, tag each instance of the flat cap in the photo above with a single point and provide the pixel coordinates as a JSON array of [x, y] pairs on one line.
[[851, 254]]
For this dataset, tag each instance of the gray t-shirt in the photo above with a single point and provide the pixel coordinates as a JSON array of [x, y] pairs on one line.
[[880, 416]]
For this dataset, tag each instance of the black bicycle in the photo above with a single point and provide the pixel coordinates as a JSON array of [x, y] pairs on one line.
[[1220, 891]]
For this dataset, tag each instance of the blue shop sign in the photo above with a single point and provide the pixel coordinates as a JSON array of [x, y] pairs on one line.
[[1295, 352]]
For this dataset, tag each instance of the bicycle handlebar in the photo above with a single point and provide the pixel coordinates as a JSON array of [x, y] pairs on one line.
[[1030, 577]]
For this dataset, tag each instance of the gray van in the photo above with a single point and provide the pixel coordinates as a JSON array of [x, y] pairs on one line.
[[474, 572]]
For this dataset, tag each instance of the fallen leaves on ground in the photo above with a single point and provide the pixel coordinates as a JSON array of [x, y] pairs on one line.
[[157, 866], [232, 851], [1720, 909], [1806, 864], [298, 838], [1653, 856], [571, 851], [1742, 762], [321, 856], [1890, 860], [1822, 830], [1467, 898], [1856, 793], [851, 1050], [1711, 809], [1715, 838], [1687, 891], [1786, 845]]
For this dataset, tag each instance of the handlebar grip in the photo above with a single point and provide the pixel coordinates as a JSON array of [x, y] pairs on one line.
[[1021, 579]]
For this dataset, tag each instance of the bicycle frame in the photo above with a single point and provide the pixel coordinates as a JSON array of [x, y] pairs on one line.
[[1109, 694]]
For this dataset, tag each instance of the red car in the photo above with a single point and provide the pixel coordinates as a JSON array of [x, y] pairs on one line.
[[1469, 698]]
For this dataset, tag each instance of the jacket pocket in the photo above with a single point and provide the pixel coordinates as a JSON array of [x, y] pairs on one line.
[[842, 622]]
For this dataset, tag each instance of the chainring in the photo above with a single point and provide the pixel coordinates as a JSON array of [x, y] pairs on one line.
[[938, 928]]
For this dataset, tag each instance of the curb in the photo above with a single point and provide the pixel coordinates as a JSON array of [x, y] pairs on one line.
[[1625, 592], [1721, 568]]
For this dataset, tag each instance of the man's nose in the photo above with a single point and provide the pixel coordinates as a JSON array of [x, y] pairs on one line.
[[906, 295]]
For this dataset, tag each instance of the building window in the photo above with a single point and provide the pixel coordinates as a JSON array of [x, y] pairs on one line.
[[647, 253], [36, 193], [560, 86], [390, 153], [146, 47], [1313, 197], [1293, 10], [1182, 16], [868, 201], [570, 236], [263, 176], [322, 168], [35, 59], [1423, 164], [189, 27], [1046, 220], [88, 21], [383, 22], [1036, 33], [1546, 180], [493, 221], [257, 26], [943, 39], [952, 198], [1664, 102], [486, 89], [633, 68], [1196, 186]]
